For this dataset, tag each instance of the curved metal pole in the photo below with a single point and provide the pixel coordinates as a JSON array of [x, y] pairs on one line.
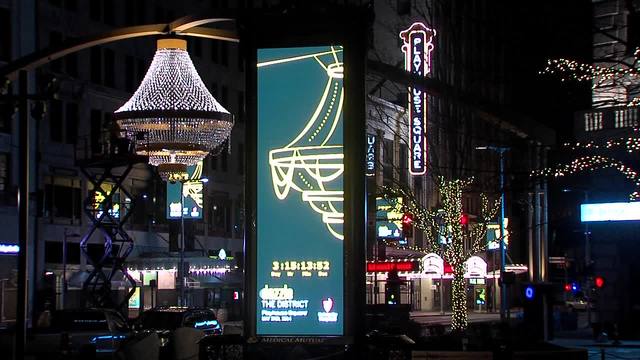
[[185, 26]]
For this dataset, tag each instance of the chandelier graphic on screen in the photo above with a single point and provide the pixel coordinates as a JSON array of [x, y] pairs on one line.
[[312, 163]]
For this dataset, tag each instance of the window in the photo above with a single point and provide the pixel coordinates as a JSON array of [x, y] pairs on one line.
[[96, 64], [95, 10], [241, 108], [109, 13], [55, 121], [224, 156], [213, 162], [215, 56], [224, 53], [240, 159], [387, 159], [7, 110], [95, 131], [71, 116], [4, 172], [214, 89], [220, 215], [62, 199], [109, 67], [224, 96], [404, 163], [55, 38], [140, 71], [70, 5], [129, 73], [196, 44], [403, 7], [5, 34], [71, 63]]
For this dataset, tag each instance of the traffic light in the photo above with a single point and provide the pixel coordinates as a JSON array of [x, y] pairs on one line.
[[464, 219], [392, 288], [407, 225], [598, 281]]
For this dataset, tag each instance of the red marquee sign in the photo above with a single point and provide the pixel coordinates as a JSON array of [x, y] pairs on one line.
[[393, 265]]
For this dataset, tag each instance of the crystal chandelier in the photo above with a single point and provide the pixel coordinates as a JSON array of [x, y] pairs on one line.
[[172, 117]]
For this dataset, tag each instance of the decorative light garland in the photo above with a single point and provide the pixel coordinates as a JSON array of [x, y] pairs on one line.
[[460, 241], [571, 70], [591, 163]]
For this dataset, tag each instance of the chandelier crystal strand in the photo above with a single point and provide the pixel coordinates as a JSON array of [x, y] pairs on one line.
[[172, 116]]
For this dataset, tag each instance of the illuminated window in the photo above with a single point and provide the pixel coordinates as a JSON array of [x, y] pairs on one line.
[[593, 121]]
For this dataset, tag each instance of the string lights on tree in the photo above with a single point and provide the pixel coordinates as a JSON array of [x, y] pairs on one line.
[[621, 73], [447, 235], [593, 162]]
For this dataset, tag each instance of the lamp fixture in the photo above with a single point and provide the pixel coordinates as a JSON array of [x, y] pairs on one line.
[[172, 117]]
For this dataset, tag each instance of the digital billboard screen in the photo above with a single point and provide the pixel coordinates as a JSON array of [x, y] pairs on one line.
[[193, 195], [300, 194]]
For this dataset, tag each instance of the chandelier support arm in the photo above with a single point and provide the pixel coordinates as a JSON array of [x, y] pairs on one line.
[[179, 27]]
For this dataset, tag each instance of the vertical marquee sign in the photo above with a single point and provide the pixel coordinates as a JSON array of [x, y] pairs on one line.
[[300, 192], [370, 168], [418, 43]]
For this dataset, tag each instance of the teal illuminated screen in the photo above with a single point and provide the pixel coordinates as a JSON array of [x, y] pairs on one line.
[[192, 190], [300, 192]]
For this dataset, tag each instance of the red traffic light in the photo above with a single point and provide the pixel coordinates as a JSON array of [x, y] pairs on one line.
[[464, 219], [567, 287], [407, 219], [598, 281]]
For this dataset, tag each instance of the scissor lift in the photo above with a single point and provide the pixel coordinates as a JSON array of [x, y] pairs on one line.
[[108, 206]]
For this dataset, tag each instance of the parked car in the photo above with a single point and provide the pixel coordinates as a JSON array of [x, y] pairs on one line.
[[579, 304], [79, 331], [165, 320]]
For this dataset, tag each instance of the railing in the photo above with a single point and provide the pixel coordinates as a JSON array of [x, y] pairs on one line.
[[591, 122]]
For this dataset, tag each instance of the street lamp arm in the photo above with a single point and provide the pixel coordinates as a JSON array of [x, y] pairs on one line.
[[191, 21], [41, 57]]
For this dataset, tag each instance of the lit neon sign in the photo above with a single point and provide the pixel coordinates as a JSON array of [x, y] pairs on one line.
[[9, 249], [418, 44], [622, 211], [395, 265], [371, 155]]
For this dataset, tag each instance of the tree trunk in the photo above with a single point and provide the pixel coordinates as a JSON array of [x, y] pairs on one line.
[[458, 300]]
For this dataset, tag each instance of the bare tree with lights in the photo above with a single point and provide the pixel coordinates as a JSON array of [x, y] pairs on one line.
[[446, 234]]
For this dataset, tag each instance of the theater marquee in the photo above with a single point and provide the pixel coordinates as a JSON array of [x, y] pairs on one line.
[[418, 43]]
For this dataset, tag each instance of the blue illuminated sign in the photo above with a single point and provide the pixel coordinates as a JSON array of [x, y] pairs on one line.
[[300, 194], [621, 211], [529, 292], [193, 195]]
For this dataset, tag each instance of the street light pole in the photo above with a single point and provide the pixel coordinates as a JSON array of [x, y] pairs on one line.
[[503, 286], [181, 272], [503, 251]]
